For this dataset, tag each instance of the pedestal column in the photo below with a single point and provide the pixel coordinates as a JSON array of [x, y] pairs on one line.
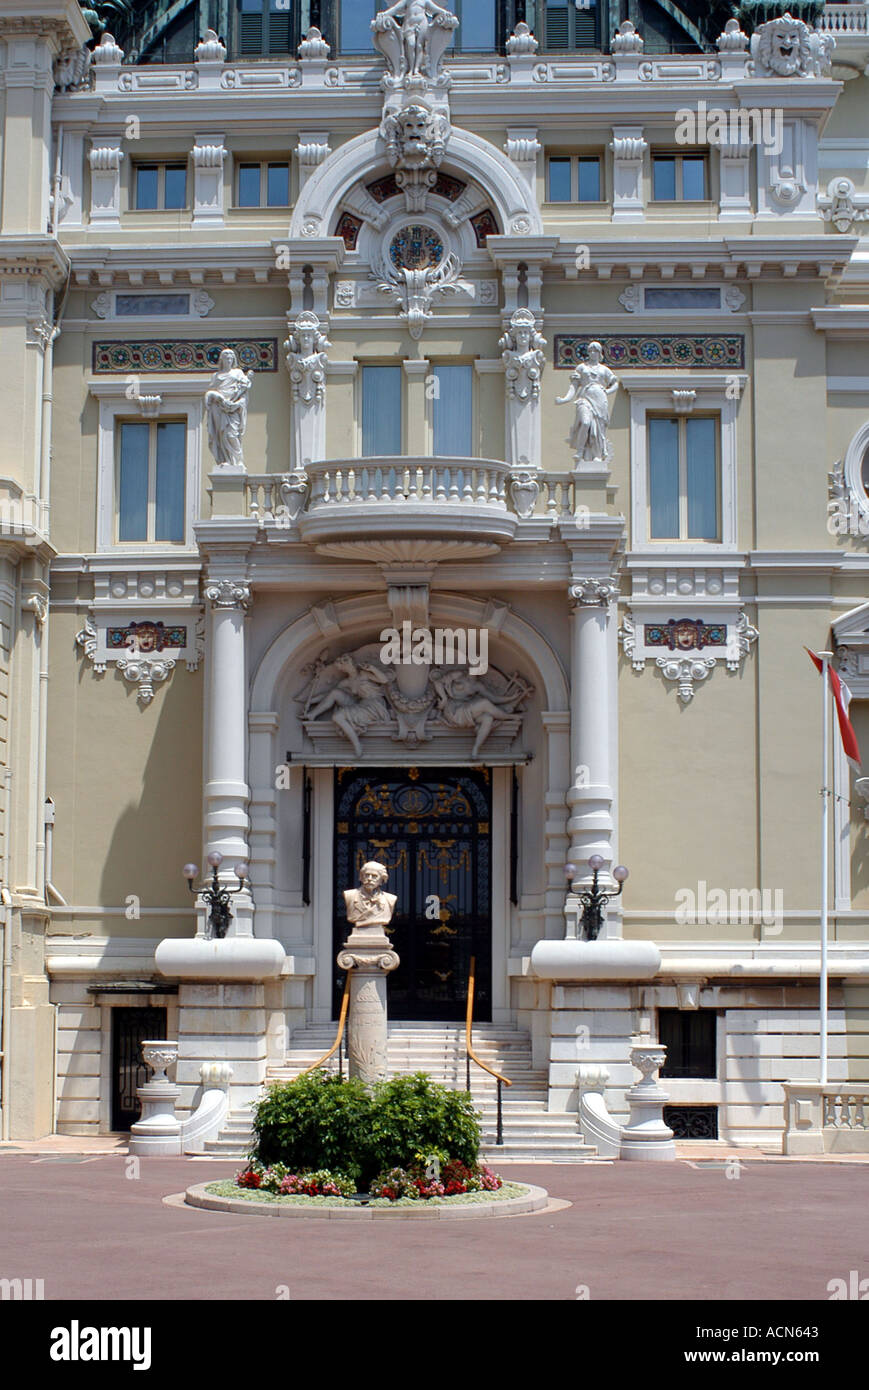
[[226, 790], [370, 957], [592, 678]]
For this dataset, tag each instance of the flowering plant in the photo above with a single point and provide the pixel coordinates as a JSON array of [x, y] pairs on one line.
[[282, 1181], [428, 1177]]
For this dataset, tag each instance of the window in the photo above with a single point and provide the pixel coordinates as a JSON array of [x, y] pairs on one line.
[[679, 178], [265, 26], [689, 1037], [263, 185], [452, 415], [151, 466], [683, 478], [354, 25], [574, 179], [569, 24], [160, 187], [477, 25], [381, 411]]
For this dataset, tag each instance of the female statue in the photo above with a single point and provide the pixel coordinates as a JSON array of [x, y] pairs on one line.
[[590, 385], [226, 409]]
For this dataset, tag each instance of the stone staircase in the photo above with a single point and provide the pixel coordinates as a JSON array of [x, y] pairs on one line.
[[531, 1132]]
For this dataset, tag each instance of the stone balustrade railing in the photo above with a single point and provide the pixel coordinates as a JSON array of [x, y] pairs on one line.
[[459, 482], [274, 498], [829, 1118], [844, 19]]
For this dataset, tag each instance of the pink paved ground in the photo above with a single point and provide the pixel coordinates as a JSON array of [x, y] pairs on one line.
[[781, 1230]]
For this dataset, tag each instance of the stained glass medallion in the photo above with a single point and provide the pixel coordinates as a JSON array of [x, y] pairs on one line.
[[416, 247]]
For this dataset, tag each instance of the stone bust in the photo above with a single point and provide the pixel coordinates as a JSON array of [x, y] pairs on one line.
[[368, 907]]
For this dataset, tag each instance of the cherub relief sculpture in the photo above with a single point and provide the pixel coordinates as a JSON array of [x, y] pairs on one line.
[[590, 386], [359, 695], [356, 701], [465, 703], [226, 409], [412, 35]]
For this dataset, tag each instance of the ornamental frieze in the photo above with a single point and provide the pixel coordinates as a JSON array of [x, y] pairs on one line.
[[115, 356], [724, 351]]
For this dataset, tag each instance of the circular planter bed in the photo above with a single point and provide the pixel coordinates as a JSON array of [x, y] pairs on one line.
[[513, 1199]]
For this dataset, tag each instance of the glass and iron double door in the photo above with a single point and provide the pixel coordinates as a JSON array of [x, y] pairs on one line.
[[430, 827]]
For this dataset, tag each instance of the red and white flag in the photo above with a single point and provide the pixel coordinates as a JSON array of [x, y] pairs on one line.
[[842, 697]]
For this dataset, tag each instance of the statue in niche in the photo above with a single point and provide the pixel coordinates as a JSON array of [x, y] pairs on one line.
[[407, 33], [226, 409], [522, 354], [368, 908], [306, 359], [464, 702], [590, 386], [356, 701]]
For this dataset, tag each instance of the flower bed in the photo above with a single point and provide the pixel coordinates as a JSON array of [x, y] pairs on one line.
[[429, 1177], [262, 1197]]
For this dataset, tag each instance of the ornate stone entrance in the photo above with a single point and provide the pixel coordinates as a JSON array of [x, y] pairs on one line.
[[431, 827]]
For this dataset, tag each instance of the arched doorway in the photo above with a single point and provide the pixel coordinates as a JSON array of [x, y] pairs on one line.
[[431, 827]]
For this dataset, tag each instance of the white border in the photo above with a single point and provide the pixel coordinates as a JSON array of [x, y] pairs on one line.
[[647, 395], [179, 397]]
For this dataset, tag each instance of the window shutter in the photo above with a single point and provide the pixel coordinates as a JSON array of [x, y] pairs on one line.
[[250, 34], [557, 35], [279, 32], [586, 29]]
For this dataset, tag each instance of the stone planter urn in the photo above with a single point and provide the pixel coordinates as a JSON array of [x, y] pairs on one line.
[[645, 1138], [157, 1056], [158, 1131]]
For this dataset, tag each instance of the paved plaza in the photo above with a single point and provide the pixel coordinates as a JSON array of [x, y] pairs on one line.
[[706, 1228]]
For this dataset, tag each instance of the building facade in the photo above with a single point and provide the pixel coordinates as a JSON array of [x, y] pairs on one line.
[[431, 435]]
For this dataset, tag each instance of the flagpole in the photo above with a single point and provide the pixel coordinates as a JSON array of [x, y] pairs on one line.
[[825, 866]]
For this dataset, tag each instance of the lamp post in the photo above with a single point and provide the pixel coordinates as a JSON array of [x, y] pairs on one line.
[[218, 899], [593, 899]]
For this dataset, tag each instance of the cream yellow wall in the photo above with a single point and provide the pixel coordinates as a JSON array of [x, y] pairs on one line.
[[127, 785], [687, 792]]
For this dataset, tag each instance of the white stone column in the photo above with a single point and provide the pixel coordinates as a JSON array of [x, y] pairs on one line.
[[592, 674], [226, 789]]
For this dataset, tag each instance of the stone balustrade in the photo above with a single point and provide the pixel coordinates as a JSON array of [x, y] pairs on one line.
[[275, 500], [844, 19], [830, 1118], [458, 482]]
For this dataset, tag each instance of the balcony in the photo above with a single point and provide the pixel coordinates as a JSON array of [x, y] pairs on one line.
[[398, 509], [407, 509]]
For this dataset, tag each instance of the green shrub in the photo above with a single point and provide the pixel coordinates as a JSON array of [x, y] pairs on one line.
[[413, 1114], [321, 1121], [317, 1121]]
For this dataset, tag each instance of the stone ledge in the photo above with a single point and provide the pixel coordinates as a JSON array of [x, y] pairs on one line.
[[534, 1199]]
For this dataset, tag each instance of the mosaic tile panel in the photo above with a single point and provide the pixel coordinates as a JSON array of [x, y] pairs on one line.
[[115, 356], [717, 350]]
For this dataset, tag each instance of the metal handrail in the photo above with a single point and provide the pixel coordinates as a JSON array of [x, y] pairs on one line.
[[471, 1056], [342, 1020]]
